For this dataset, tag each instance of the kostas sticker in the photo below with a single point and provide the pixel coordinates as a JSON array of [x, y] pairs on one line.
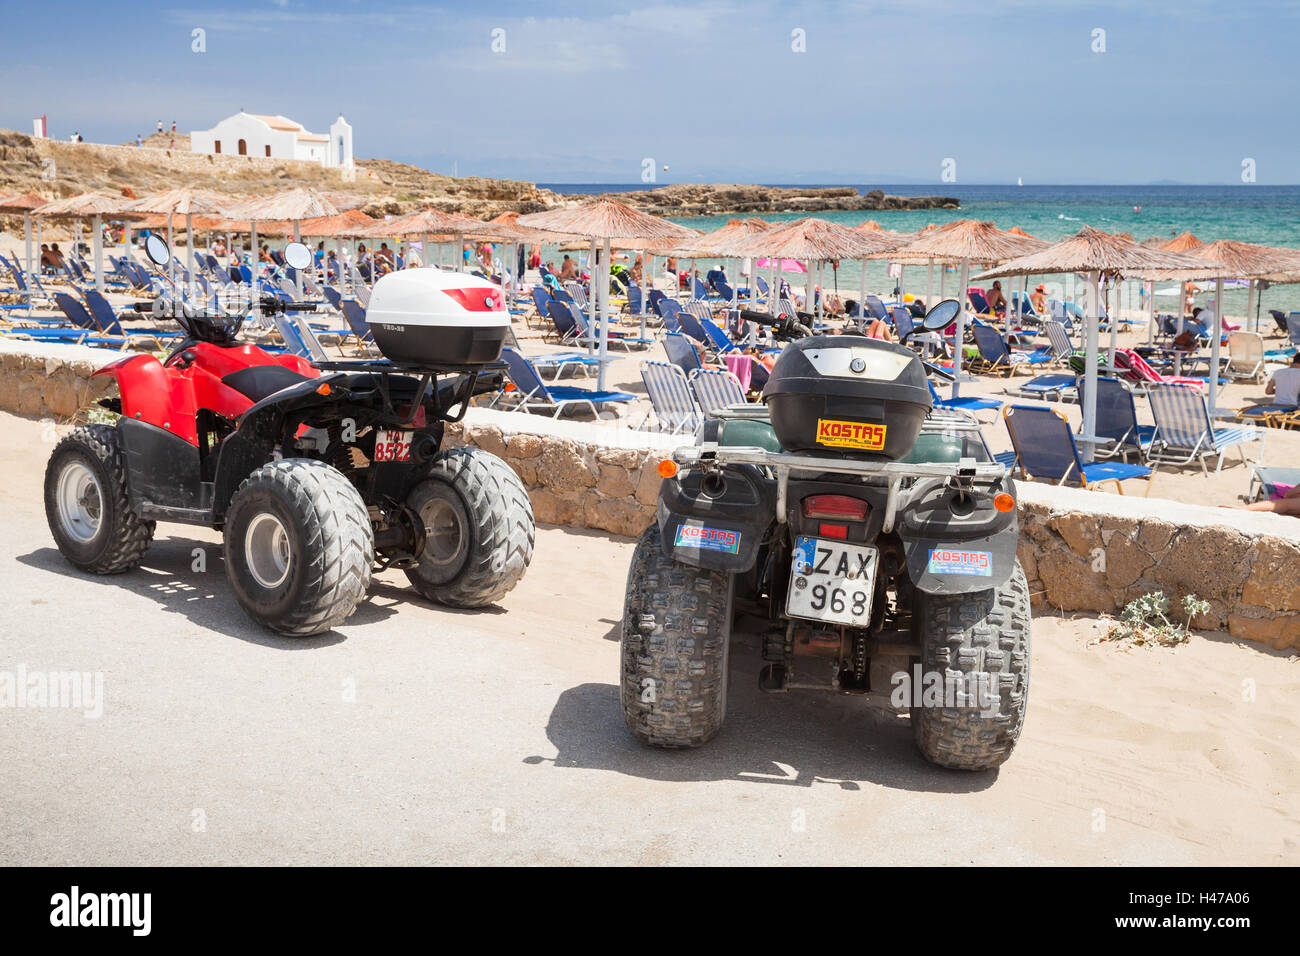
[[945, 561], [708, 539], [859, 435]]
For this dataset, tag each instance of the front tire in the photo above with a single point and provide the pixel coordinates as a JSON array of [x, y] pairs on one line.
[[675, 648], [86, 503], [977, 640], [479, 529], [299, 546]]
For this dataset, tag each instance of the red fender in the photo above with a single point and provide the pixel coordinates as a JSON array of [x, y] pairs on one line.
[[155, 394]]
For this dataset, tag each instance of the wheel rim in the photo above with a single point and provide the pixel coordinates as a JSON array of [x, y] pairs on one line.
[[444, 534], [81, 502], [266, 550]]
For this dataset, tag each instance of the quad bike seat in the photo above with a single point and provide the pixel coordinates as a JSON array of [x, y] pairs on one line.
[[258, 381]]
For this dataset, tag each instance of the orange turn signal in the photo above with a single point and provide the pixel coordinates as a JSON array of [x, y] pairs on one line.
[[667, 468], [323, 389], [1004, 502]]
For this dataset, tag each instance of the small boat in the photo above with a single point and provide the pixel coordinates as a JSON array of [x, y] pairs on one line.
[[1019, 181]]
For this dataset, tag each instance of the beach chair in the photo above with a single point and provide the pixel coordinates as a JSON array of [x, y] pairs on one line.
[[1293, 327], [1048, 387], [1135, 369], [107, 323], [681, 352], [1045, 449], [979, 304], [1183, 431], [996, 359], [1058, 341], [1245, 357], [689, 323], [1269, 482], [355, 315], [672, 402], [1117, 420], [587, 335], [719, 340], [875, 309], [716, 389], [969, 403], [533, 394], [576, 292], [1270, 416], [1279, 319]]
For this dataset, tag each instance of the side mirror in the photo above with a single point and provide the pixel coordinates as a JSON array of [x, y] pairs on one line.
[[941, 316], [297, 255], [155, 247]]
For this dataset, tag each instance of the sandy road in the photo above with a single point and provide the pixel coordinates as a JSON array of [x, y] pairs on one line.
[[419, 735]]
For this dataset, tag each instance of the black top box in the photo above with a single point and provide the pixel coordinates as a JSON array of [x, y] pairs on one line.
[[848, 395]]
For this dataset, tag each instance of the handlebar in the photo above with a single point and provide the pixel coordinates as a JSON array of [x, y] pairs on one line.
[[142, 306]]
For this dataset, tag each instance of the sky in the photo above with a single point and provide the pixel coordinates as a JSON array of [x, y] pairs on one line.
[[770, 91]]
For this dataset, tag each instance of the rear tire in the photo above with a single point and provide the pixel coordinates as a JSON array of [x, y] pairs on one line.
[[675, 648], [982, 639], [86, 503], [299, 546], [479, 529]]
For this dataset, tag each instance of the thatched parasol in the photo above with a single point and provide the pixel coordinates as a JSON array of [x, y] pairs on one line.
[[964, 241], [816, 242], [23, 204], [1099, 253], [293, 205], [93, 206], [612, 223], [1183, 242], [183, 201]]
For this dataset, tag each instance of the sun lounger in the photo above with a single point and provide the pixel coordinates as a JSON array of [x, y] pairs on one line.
[[533, 393], [1183, 431], [964, 403], [1048, 387], [1117, 420], [1269, 482], [672, 403], [1045, 449], [716, 389], [994, 356]]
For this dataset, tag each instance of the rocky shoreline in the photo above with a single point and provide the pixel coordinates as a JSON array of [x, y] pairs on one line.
[[719, 200], [54, 168]]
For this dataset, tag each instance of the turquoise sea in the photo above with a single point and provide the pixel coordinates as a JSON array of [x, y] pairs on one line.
[[1251, 213]]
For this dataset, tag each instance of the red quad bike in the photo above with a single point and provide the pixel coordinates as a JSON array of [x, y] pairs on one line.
[[318, 473]]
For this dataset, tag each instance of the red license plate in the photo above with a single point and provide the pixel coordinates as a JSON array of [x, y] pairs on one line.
[[392, 445]]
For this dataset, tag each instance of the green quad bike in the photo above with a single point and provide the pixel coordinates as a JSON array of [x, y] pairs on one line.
[[863, 526]]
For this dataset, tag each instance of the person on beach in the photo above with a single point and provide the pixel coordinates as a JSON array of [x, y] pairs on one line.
[[1288, 504], [568, 269], [1284, 385], [1038, 299], [996, 300]]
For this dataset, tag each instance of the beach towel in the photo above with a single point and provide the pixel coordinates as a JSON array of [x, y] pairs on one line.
[[741, 366]]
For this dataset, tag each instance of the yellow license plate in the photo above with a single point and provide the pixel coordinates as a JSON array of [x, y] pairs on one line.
[[857, 435]]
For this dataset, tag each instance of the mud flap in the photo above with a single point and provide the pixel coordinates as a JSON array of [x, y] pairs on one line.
[[716, 523], [960, 566]]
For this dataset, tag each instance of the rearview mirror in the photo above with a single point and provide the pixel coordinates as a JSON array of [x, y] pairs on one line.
[[297, 255], [941, 316], [155, 247]]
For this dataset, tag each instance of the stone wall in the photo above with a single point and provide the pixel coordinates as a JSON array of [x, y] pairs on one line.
[[1082, 551], [36, 381]]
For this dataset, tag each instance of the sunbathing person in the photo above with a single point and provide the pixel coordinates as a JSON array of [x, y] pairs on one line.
[[996, 300], [1288, 504], [568, 269]]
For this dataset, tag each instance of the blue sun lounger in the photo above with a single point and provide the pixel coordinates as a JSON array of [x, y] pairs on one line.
[[533, 393], [1045, 448]]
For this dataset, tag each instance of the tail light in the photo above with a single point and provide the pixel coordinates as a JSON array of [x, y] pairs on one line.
[[478, 300], [839, 507]]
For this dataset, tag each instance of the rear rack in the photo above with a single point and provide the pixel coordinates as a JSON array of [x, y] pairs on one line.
[[963, 472]]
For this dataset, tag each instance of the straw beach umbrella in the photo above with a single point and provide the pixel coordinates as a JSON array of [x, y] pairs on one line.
[[186, 202], [93, 206], [424, 223], [719, 242], [966, 241], [1236, 260], [1098, 253], [23, 204], [815, 242], [612, 223], [293, 205]]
